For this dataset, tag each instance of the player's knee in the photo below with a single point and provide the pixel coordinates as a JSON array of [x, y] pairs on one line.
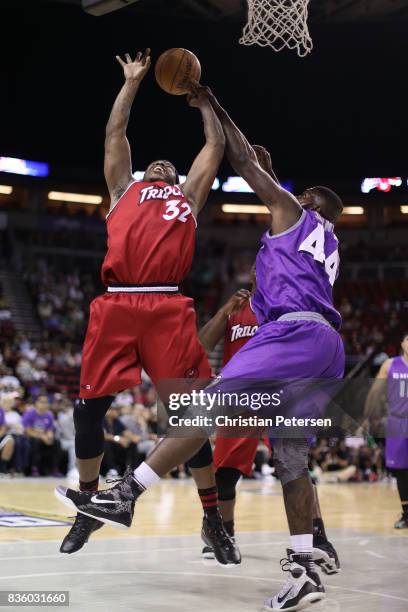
[[226, 479], [202, 458], [290, 458], [88, 419]]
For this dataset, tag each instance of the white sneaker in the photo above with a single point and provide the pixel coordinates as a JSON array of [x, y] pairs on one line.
[[302, 588]]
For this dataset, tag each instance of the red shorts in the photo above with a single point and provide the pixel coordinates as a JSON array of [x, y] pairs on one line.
[[238, 453], [130, 331]]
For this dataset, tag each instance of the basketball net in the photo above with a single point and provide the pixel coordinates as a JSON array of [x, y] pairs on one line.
[[278, 24]]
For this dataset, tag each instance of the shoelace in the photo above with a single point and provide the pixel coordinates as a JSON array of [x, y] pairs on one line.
[[285, 564], [220, 532], [111, 480]]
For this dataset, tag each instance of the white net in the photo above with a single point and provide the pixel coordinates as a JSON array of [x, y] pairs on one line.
[[278, 24]]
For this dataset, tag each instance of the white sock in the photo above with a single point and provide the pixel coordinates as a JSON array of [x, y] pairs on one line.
[[302, 543], [145, 476]]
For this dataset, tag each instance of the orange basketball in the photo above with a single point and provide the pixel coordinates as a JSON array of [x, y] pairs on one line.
[[174, 70]]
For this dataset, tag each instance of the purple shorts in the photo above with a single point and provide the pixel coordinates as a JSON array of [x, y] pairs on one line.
[[302, 359], [289, 349]]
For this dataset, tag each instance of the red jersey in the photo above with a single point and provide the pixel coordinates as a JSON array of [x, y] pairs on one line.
[[241, 326], [151, 236]]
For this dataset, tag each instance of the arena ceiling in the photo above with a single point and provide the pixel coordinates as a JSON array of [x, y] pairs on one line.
[[320, 10]]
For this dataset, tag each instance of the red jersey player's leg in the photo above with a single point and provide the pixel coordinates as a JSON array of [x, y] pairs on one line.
[[169, 344], [110, 361]]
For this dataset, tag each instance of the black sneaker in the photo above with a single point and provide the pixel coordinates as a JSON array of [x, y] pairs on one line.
[[79, 534], [114, 506], [402, 523], [207, 553], [325, 555], [302, 588], [215, 537]]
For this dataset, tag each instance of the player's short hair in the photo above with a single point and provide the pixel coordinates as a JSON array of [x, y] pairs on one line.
[[333, 204]]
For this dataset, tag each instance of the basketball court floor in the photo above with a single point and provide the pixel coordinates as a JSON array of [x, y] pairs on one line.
[[156, 565]]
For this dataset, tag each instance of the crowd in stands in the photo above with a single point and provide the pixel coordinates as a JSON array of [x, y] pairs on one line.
[[37, 436]]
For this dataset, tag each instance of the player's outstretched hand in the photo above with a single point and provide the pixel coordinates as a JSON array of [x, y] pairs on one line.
[[199, 94], [236, 301], [263, 157], [135, 70]]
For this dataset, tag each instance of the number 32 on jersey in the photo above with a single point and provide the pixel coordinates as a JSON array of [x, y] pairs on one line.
[[175, 210], [314, 244]]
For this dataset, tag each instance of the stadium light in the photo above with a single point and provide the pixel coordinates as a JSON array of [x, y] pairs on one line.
[[236, 184], [78, 198], [404, 209], [252, 209], [353, 210], [6, 189], [23, 166], [381, 184]]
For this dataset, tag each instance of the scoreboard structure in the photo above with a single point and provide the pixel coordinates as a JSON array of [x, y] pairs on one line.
[[102, 7]]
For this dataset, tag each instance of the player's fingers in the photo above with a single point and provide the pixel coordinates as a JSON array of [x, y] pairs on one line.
[[120, 60], [146, 54], [194, 85], [138, 56], [128, 58], [147, 61]]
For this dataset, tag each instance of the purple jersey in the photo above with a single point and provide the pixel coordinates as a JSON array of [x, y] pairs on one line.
[[397, 388], [40, 422], [396, 447], [2, 418], [296, 270]]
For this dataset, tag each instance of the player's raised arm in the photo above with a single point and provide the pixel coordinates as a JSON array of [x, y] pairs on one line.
[[205, 166], [212, 332], [371, 409], [284, 207], [118, 163], [265, 161]]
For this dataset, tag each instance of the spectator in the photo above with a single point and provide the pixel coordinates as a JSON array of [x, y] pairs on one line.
[[65, 433], [136, 423], [6, 445], [334, 461], [15, 429], [44, 449], [119, 449]]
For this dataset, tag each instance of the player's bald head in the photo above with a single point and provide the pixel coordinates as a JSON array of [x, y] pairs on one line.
[[324, 200]]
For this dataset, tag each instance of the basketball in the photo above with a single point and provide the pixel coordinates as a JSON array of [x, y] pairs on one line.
[[174, 70]]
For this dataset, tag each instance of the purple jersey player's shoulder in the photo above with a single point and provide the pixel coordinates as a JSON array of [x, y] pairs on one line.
[[296, 269]]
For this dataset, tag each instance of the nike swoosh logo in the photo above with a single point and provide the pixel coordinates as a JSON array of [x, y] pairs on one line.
[[280, 599], [95, 500]]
